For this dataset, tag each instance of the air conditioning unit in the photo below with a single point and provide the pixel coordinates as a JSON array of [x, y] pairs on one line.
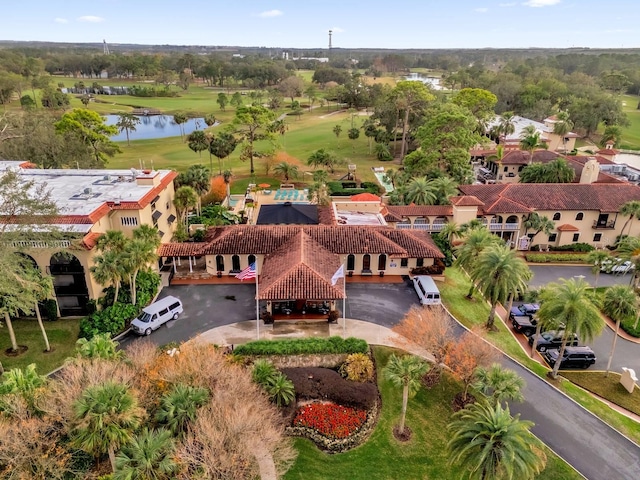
[[87, 191]]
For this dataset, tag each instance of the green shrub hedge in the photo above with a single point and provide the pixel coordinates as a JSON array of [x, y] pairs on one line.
[[111, 320], [301, 346], [337, 188], [556, 257]]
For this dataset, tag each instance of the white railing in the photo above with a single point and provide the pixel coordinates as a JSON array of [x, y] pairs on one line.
[[404, 225], [40, 244], [436, 227], [503, 226]]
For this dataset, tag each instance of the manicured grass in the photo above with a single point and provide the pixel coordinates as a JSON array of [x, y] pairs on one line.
[[475, 313], [62, 338], [631, 134], [383, 457], [608, 387]]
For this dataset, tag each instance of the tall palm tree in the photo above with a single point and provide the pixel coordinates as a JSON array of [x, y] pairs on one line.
[[530, 140], [221, 146], [559, 171], [185, 199], [444, 187], [127, 122], [598, 258], [571, 303], [492, 444], [109, 269], [499, 272], [405, 372], [632, 209], [112, 240], [43, 289], [506, 126], [149, 456], [563, 126], [499, 383], [105, 417], [538, 223], [420, 191], [139, 254], [474, 241], [197, 141], [450, 231], [286, 170], [620, 302], [179, 406]]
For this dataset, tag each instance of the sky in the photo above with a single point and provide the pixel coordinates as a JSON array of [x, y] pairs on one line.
[[305, 23]]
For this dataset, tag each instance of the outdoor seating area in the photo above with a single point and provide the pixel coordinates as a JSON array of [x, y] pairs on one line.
[[287, 195]]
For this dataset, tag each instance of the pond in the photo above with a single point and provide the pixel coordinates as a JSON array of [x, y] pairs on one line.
[[156, 126]]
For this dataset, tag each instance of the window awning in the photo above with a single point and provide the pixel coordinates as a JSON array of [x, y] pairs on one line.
[[156, 215], [171, 219]]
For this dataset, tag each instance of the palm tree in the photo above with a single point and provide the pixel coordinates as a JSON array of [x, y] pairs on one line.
[[286, 170], [337, 130], [23, 382], [450, 231], [178, 407], [530, 140], [499, 383], [100, 346], [629, 249], [632, 209], [43, 289], [197, 177], [109, 269], [538, 223], [105, 417], [184, 199], [281, 389], [612, 133], [559, 171], [572, 304], [506, 126], [140, 252], [149, 456], [492, 444], [210, 119], [499, 272], [197, 141], [127, 122], [598, 258], [620, 302], [444, 187], [112, 240], [420, 191], [474, 241], [222, 146], [563, 126], [405, 372], [180, 119]]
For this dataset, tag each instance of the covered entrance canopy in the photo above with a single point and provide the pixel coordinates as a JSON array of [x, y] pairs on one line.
[[299, 274]]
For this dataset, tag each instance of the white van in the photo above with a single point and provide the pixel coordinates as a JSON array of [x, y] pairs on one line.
[[157, 314], [426, 290]]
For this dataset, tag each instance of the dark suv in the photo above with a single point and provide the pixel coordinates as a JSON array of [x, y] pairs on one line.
[[574, 357], [552, 339]]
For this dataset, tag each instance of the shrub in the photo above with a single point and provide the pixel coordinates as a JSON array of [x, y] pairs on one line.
[[49, 309], [574, 247], [299, 346], [198, 235], [262, 372], [556, 257], [331, 420], [147, 284], [111, 320], [314, 383], [334, 315], [436, 269], [358, 367]]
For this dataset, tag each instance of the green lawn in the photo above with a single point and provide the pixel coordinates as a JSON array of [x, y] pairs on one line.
[[383, 457], [607, 387], [631, 134], [474, 313], [62, 337]]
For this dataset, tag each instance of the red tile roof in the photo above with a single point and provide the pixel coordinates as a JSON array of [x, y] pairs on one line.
[[421, 210], [466, 201], [300, 268], [185, 249], [525, 197], [567, 227], [90, 240], [365, 197]]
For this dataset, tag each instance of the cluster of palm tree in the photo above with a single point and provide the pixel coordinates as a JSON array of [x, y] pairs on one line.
[[420, 190], [121, 258], [556, 171]]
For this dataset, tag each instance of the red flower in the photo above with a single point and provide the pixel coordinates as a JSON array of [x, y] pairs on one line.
[[330, 419]]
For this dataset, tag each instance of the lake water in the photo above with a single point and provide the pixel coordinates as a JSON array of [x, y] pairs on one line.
[[156, 126], [630, 159]]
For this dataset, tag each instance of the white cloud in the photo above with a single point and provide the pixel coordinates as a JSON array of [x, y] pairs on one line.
[[337, 30], [481, 10], [541, 3], [270, 14], [90, 19], [60, 20]]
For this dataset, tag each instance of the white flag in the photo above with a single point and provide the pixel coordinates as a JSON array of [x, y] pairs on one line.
[[339, 274]]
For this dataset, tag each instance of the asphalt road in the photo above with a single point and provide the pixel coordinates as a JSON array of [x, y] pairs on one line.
[[543, 274]]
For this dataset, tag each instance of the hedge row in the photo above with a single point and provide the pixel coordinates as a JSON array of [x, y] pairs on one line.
[[556, 257], [300, 346]]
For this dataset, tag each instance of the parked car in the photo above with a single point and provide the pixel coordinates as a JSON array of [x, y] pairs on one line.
[[523, 324], [156, 315], [573, 357], [616, 265], [552, 339]]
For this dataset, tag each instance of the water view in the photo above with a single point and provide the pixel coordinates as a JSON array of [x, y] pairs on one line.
[[156, 126]]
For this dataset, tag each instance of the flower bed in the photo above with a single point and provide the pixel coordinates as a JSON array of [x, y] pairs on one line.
[[330, 419]]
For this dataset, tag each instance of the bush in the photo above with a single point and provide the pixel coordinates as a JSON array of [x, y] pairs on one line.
[[300, 346], [556, 257], [343, 189], [574, 247], [436, 269], [322, 383], [358, 367], [334, 315], [111, 320], [49, 309], [199, 235], [147, 284], [443, 244]]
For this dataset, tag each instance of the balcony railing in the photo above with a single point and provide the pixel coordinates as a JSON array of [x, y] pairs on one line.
[[608, 224], [502, 226], [40, 244]]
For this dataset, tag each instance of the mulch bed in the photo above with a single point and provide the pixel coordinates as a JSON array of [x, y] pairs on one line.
[[9, 352], [404, 436], [459, 402]]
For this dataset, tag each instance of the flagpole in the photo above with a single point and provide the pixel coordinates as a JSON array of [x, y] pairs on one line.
[[344, 304], [257, 305]]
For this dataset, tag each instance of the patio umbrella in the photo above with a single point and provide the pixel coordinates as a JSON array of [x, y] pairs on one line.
[[264, 185]]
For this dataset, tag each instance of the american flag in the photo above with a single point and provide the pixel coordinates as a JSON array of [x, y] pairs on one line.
[[247, 273]]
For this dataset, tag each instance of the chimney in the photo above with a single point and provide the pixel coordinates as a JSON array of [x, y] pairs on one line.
[[590, 171]]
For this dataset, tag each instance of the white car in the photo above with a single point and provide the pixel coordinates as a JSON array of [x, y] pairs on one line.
[[623, 267]]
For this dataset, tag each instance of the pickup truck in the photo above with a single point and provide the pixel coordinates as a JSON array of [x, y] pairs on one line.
[[523, 323]]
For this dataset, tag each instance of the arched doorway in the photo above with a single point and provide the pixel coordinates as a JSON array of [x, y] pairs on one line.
[[235, 263], [69, 284], [219, 263], [382, 262], [366, 263]]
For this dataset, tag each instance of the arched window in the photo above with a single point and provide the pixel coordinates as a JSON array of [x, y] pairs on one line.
[[579, 216], [235, 263], [251, 259], [556, 216], [220, 263], [382, 262], [366, 262], [351, 262]]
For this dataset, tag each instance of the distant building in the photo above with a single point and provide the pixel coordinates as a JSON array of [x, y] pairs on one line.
[[554, 141]]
